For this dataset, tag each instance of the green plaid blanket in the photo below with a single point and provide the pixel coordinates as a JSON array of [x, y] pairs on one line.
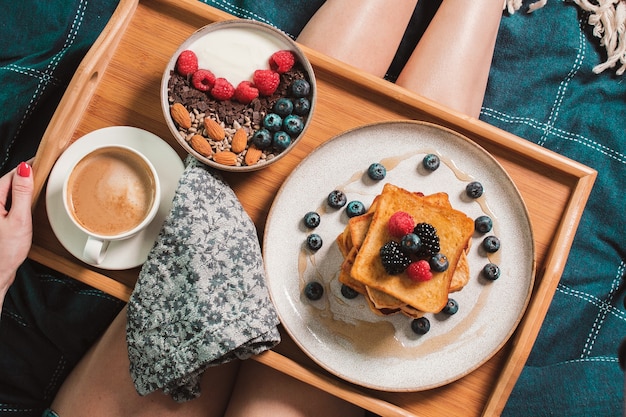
[[542, 88]]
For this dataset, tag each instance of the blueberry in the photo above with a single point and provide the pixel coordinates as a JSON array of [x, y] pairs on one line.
[[355, 208], [474, 189], [301, 106], [420, 325], [281, 141], [439, 262], [300, 88], [312, 219], [314, 241], [483, 224], [337, 199], [491, 271], [283, 107], [451, 307], [348, 292], [431, 162], [262, 139], [293, 125], [272, 122], [491, 244], [313, 290], [377, 171], [411, 243]]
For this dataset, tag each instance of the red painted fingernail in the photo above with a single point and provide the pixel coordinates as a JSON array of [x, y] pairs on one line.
[[23, 169]]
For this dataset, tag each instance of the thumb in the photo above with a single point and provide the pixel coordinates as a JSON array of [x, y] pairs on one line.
[[22, 190]]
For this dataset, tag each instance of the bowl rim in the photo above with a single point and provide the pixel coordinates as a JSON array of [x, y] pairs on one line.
[[225, 24]]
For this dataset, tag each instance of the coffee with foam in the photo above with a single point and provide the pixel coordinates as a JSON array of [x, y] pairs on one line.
[[110, 191]]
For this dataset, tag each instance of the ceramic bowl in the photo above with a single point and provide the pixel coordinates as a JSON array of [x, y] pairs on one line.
[[232, 51]]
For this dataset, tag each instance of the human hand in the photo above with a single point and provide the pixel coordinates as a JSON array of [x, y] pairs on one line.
[[16, 228]]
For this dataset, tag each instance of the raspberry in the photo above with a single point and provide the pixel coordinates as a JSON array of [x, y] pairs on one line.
[[419, 271], [400, 223], [203, 80], [266, 81], [187, 63], [246, 92], [394, 260], [222, 89], [282, 61]]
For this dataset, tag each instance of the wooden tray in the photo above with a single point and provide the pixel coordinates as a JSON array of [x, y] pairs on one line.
[[118, 84]]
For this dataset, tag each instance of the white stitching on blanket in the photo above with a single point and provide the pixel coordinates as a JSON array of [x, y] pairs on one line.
[[602, 313], [560, 133], [564, 84], [593, 300], [31, 72], [44, 79]]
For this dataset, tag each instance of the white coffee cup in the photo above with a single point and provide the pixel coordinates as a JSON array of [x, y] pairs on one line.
[[112, 193]]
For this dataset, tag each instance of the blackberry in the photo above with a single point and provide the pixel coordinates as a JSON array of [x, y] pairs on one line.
[[394, 260], [429, 238], [376, 171], [420, 325], [313, 290], [337, 199]]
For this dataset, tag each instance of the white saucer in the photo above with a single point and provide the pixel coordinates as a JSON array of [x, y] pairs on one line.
[[123, 254]]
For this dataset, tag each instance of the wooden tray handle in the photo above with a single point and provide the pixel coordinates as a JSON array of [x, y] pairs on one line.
[[76, 98]]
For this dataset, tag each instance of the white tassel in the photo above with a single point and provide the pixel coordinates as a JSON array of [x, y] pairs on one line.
[[536, 5], [608, 18]]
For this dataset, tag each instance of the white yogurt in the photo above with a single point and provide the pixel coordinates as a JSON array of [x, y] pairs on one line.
[[235, 53]]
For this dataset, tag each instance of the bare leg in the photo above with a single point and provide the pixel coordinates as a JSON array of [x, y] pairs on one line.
[[101, 385], [451, 62], [264, 392], [362, 33]]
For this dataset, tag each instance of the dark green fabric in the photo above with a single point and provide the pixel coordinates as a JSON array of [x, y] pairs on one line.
[[541, 88], [48, 320], [41, 44]]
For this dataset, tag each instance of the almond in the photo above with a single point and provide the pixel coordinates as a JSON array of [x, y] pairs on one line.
[[201, 145], [225, 158], [180, 115], [213, 129], [252, 155], [240, 140]]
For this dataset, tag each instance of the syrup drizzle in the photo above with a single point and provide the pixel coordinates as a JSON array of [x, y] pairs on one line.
[[357, 333]]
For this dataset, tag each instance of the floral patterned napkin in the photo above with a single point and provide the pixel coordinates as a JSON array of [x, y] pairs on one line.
[[201, 298]]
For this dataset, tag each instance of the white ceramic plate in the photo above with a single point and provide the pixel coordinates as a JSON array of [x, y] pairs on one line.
[[344, 336], [123, 254]]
